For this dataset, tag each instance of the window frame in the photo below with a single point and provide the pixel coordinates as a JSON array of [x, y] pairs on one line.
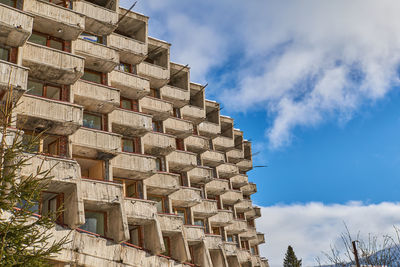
[[133, 102], [105, 230], [137, 146], [103, 76], [44, 89], [137, 183], [163, 201], [102, 119], [50, 38]]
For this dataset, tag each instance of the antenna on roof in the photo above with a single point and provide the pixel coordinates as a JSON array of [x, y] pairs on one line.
[[261, 166], [126, 13]]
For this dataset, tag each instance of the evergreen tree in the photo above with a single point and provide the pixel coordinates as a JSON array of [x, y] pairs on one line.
[[291, 259], [26, 238]]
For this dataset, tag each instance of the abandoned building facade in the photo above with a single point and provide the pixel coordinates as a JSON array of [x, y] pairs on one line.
[[148, 171]]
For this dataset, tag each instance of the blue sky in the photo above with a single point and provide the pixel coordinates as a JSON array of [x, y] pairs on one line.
[[314, 84]]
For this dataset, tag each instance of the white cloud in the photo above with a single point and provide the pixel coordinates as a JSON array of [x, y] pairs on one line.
[[311, 228]]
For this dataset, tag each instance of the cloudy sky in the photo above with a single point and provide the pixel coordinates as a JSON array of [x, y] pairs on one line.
[[314, 84]]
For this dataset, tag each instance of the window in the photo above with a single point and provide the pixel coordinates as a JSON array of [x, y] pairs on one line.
[[92, 37], [161, 203], [240, 215], [210, 143], [49, 41], [251, 223], [177, 113], [92, 121], [216, 230], [228, 207], [131, 188], [94, 76], [47, 144], [195, 131], [230, 238], [130, 104], [4, 54], [183, 179], [44, 90], [245, 245], [131, 145], [92, 168], [254, 250], [203, 223], [198, 157], [136, 235], [192, 254], [167, 244], [11, 3], [184, 213], [155, 93], [52, 204], [95, 222], [157, 126], [126, 67], [160, 164], [180, 144]]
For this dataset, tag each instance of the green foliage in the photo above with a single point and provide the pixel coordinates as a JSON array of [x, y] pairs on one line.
[[25, 237], [291, 259]]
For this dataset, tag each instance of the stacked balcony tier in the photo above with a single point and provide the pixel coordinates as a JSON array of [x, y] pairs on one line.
[[13, 78], [205, 209], [162, 183], [158, 143], [130, 123], [135, 166], [15, 26], [160, 109], [186, 197], [130, 85], [178, 127], [131, 51]]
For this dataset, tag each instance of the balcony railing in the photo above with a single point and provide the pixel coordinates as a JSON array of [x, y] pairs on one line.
[[222, 218], [131, 50], [254, 213], [135, 166], [239, 180], [130, 85], [237, 227], [235, 155], [139, 211], [194, 233], [223, 143], [249, 234], [213, 242], [244, 205], [16, 26], [245, 165], [217, 186], [13, 75], [232, 197], [250, 188], [227, 170], [170, 224], [200, 175], [212, 158]]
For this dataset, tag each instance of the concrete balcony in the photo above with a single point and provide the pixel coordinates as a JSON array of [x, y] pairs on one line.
[[162, 183], [212, 158], [131, 50], [196, 144], [260, 238], [256, 261], [244, 256], [230, 248], [186, 197], [97, 144], [180, 97], [205, 209], [97, 56], [170, 223], [254, 213], [214, 242], [222, 143], [130, 123], [55, 20], [193, 113], [95, 97], [237, 227], [209, 129], [158, 143], [157, 75], [235, 155], [239, 180], [222, 218], [194, 234], [98, 19], [200, 175], [178, 127], [140, 211], [107, 197], [135, 166], [249, 189], [227, 170], [244, 205], [51, 65], [12, 75], [181, 161], [217, 186], [130, 85], [231, 197], [160, 109], [245, 165], [56, 117], [249, 234], [16, 26]]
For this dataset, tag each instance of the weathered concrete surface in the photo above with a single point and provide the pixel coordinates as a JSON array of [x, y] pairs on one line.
[[15, 26]]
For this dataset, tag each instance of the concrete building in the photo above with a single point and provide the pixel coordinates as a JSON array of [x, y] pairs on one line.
[[148, 171]]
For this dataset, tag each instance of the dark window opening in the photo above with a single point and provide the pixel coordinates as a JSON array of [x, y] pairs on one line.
[[93, 121], [50, 41], [137, 235], [50, 91], [161, 202], [131, 145], [94, 76], [157, 126], [130, 104], [155, 93]]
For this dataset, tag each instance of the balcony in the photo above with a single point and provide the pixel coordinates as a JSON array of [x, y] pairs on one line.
[[249, 234], [130, 85], [140, 211], [244, 255], [135, 166], [256, 261], [232, 197], [212, 158], [213, 242], [186, 197], [235, 155], [162, 183], [245, 165], [217, 186], [205, 209], [209, 129], [237, 227], [158, 143], [222, 218], [193, 113], [170, 223], [56, 117], [97, 144], [52, 65], [244, 205], [130, 123], [97, 56], [180, 97], [95, 97], [98, 19], [200, 175], [179, 161], [178, 127], [222, 143], [249, 189], [239, 180], [160, 109], [260, 238], [12, 75], [157, 75], [55, 20], [227, 170], [16, 26], [253, 213], [196, 144], [131, 50], [230, 248], [194, 234]]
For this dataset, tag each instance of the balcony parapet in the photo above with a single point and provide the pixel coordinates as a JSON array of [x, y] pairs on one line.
[[131, 50], [194, 233], [130, 123], [160, 109], [200, 174], [179, 160], [235, 155], [250, 188], [158, 143], [245, 165], [227, 170], [243, 205], [217, 186], [222, 218], [193, 113], [196, 143], [237, 227], [178, 127], [254, 213], [209, 129], [180, 97], [131, 85], [232, 197], [15, 76], [157, 75], [239, 180], [205, 209], [140, 211], [132, 165], [223, 143], [212, 158], [170, 223], [186, 197], [162, 183], [16, 26]]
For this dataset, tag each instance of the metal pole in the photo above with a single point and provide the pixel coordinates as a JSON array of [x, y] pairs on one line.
[[356, 254]]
